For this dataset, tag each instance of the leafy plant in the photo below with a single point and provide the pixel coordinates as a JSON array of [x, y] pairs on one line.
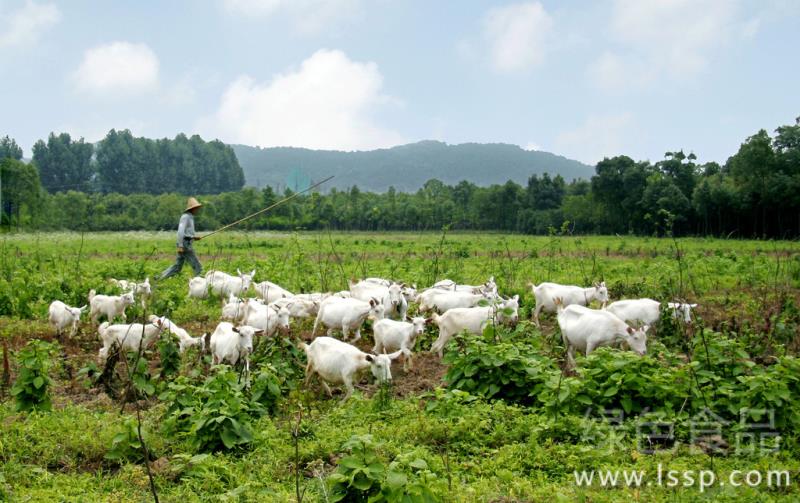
[[125, 445], [213, 416], [362, 475], [265, 390], [31, 389], [512, 371], [169, 353], [139, 368]]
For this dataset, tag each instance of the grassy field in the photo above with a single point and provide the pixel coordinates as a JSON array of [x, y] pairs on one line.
[[518, 429]]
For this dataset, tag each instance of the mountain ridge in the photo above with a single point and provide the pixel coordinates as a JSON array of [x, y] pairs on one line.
[[405, 167]]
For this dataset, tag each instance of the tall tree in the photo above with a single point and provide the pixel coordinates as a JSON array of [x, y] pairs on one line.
[[21, 191], [9, 149], [64, 164], [619, 186]]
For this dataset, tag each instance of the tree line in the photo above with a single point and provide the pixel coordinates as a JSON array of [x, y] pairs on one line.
[[124, 164], [756, 193]]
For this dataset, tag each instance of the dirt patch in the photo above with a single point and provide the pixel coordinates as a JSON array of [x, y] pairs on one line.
[[426, 374]]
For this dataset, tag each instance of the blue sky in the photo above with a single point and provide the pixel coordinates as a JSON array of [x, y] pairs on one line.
[[583, 79]]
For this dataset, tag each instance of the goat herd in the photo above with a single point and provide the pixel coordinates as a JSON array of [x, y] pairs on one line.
[[452, 307]]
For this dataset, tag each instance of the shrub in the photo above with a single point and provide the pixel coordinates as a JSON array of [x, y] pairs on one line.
[[265, 390], [31, 387], [362, 475], [621, 379], [512, 371], [213, 416]]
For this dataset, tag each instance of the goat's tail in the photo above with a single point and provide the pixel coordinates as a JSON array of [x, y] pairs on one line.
[[92, 293], [316, 320], [102, 329]]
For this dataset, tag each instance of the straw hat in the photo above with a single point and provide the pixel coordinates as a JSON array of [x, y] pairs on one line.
[[192, 203]]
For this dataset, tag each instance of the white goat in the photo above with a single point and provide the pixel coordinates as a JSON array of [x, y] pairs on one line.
[[489, 288], [444, 300], [648, 310], [109, 305], [198, 287], [337, 362], [231, 344], [394, 303], [236, 308], [186, 341], [142, 290], [391, 335], [473, 320], [586, 329], [299, 308], [682, 310], [224, 284], [62, 316], [347, 315], [268, 319], [128, 337], [271, 292], [546, 292]]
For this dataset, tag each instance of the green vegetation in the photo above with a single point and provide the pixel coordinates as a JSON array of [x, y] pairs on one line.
[[31, 388], [135, 183], [497, 420]]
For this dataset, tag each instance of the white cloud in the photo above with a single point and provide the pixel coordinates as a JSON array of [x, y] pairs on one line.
[[118, 68], [326, 103], [307, 16], [667, 38], [25, 25], [517, 35], [598, 137], [532, 147], [613, 72]]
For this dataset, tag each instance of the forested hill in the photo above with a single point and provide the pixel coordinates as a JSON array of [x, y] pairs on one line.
[[406, 167]]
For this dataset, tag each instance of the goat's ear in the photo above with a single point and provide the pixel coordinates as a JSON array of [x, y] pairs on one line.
[[395, 355], [646, 328], [235, 330], [369, 357], [516, 298], [602, 283], [428, 320], [596, 284], [692, 305], [82, 308], [630, 330], [253, 273], [257, 332], [238, 271]]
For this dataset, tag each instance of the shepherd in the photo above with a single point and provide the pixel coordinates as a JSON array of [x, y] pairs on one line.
[[185, 238]]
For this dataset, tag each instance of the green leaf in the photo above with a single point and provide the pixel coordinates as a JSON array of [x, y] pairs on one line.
[[627, 404], [229, 438], [396, 479]]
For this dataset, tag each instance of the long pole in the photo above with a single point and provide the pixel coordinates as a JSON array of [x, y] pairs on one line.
[[248, 217]]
